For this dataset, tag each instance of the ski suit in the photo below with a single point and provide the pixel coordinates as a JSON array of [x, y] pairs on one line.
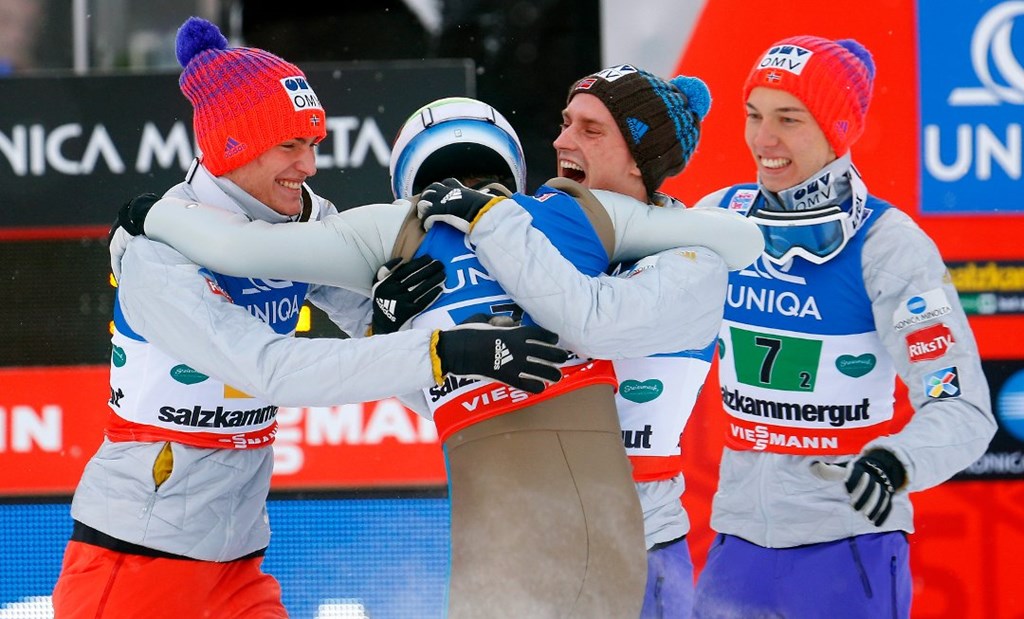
[[174, 500], [808, 358]]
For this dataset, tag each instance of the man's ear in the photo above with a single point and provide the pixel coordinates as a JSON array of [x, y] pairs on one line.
[[634, 170]]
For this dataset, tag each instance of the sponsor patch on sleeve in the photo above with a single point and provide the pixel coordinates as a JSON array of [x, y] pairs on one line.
[[741, 200], [929, 343], [211, 282], [921, 309], [648, 263], [944, 383], [645, 264]]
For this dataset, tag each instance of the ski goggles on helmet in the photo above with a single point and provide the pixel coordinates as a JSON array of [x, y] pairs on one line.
[[815, 235]]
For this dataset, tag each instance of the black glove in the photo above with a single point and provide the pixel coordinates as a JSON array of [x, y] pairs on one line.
[[871, 480], [402, 290], [453, 203], [524, 358], [132, 215]]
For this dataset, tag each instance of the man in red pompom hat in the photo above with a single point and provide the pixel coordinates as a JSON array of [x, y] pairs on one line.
[[813, 508], [170, 516]]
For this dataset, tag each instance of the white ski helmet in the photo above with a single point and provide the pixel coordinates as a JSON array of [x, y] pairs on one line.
[[455, 137]]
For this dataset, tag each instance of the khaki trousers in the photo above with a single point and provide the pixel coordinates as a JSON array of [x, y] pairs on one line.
[[545, 520]]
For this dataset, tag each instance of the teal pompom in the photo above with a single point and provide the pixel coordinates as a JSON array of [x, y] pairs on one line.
[[696, 92]]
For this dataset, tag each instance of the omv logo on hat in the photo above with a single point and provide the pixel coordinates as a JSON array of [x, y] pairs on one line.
[[1010, 405], [972, 90], [301, 94], [613, 73], [792, 58]]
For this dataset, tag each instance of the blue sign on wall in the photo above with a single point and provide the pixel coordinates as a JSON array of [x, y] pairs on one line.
[[972, 106], [356, 558]]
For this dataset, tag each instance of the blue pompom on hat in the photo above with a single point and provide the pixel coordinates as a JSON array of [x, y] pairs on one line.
[[659, 119], [696, 92], [197, 35]]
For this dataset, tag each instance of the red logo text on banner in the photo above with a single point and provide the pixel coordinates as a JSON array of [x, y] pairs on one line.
[[493, 399], [744, 435]]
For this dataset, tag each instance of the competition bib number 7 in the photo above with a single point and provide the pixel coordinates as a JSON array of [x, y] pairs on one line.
[[775, 361]]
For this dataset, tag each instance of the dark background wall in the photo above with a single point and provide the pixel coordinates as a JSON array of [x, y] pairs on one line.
[[527, 53]]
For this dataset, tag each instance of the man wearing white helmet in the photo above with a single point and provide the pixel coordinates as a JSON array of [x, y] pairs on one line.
[[545, 520], [624, 131], [456, 137], [658, 290]]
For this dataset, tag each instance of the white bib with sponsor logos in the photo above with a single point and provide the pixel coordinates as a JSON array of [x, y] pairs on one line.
[[792, 393], [802, 368], [157, 391]]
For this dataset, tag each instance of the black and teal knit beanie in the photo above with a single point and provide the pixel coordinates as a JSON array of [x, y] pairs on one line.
[[659, 119]]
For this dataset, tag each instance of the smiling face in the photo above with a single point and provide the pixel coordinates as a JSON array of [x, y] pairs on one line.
[[592, 151], [787, 144], [275, 177]]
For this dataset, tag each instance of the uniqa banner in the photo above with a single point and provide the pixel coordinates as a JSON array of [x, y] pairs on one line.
[[73, 148], [972, 106]]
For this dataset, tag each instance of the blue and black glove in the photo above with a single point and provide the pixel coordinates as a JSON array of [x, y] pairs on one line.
[[872, 480], [454, 204], [403, 290]]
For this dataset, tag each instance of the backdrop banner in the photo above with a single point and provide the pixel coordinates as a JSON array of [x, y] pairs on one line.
[[80, 146]]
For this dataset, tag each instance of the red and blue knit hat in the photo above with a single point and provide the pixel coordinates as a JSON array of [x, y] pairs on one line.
[[246, 100], [832, 78]]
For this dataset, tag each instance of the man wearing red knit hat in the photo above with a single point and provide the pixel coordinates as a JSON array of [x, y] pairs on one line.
[[812, 509], [170, 515]]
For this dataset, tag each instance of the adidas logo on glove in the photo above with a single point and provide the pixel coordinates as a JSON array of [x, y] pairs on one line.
[[454, 194], [388, 307], [502, 354]]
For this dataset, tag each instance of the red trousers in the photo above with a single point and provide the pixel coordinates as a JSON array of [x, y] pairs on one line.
[[97, 583]]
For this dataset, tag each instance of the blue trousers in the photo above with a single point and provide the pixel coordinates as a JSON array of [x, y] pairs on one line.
[[669, 593], [852, 578]]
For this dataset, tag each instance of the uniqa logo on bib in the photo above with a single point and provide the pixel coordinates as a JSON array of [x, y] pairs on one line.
[[972, 104]]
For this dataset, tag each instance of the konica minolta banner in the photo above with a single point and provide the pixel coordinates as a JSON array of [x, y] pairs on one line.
[[972, 106], [73, 148]]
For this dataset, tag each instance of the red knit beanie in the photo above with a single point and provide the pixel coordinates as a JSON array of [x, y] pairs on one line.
[[246, 100], [832, 78]]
